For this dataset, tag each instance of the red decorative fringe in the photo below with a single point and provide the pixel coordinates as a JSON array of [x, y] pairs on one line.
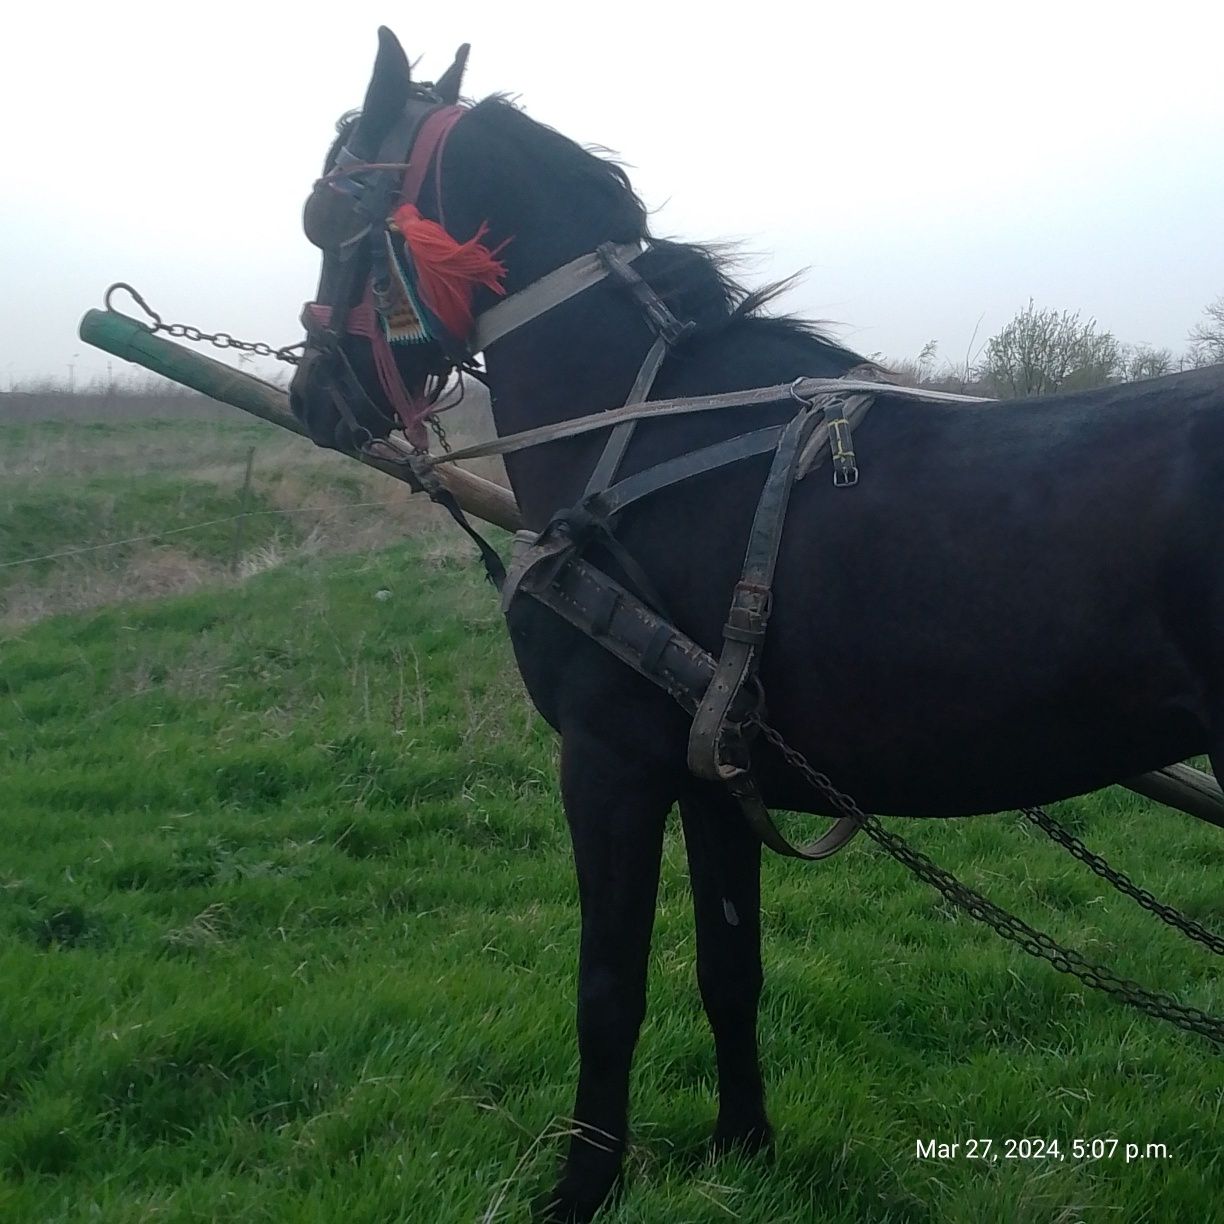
[[448, 271]]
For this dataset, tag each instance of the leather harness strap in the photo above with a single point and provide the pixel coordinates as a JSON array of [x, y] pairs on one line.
[[669, 332], [723, 696], [718, 746], [717, 749], [604, 610], [542, 295], [804, 388]]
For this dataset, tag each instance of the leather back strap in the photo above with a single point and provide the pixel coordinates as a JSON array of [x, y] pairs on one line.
[[805, 388]]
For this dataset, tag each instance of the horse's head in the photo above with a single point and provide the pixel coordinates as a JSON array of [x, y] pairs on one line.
[[386, 328], [413, 242]]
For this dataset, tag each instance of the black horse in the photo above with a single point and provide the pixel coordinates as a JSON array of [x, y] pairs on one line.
[[1018, 603]]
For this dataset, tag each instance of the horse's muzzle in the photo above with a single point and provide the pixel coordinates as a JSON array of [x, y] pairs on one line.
[[313, 402]]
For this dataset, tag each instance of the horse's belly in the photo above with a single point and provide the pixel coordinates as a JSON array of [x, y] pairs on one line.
[[993, 716]]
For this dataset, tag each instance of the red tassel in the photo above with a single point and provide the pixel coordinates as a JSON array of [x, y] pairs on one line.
[[448, 271]]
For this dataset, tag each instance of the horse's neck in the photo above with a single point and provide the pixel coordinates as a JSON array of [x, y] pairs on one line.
[[581, 358]]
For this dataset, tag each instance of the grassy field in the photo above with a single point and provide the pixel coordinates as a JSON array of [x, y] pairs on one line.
[[288, 926]]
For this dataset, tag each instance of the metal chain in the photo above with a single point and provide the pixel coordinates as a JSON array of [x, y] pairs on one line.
[[1034, 942], [1123, 883], [223, 340], [434, 421]]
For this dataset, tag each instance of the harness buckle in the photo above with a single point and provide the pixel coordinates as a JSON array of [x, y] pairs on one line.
[[665, 324], [841, 447], [749, 613], [673, 331]]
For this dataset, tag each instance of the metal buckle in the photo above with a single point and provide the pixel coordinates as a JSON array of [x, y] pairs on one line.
[[841, 448]]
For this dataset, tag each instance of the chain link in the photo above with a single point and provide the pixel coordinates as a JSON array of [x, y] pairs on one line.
[[1034, 942], [434, 421], [222, 340], [1123, 883]]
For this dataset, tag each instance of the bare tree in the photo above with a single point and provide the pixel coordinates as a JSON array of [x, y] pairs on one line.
[[1139, 361], [911, 371], [1207, 336], [1043, 351]]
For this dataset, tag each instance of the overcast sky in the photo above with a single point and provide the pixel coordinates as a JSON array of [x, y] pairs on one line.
[[929, 164]]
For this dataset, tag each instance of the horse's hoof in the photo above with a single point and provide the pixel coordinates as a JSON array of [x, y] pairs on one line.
[[747, 1139], [569, 1203]]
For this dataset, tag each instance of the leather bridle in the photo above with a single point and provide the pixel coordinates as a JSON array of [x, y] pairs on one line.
[[354, 287], [360, 195]]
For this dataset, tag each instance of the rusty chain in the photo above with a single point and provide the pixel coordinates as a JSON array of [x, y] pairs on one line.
[[1123, 883], [223, 340], [434, 421], [185, 331], [1034, 942]]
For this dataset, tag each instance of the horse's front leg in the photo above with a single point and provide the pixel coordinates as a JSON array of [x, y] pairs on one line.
[[725, 868], [616, 808]]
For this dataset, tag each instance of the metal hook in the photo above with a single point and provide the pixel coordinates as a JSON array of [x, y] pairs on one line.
[[135, 296]]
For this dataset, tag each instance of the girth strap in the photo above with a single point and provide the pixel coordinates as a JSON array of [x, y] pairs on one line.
[[718, 747]]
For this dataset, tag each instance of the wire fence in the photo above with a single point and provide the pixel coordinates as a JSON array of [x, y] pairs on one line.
[[215, 522]]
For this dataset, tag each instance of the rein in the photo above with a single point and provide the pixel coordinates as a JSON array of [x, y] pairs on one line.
[[804, 388]]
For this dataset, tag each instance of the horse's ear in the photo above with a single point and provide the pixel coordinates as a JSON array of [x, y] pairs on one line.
[[450, 81], [385, 97]]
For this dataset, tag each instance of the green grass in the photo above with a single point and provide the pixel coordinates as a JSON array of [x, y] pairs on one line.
[[92, 512], [288, 931]]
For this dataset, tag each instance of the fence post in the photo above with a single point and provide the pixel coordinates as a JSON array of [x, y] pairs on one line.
[[242, 510]]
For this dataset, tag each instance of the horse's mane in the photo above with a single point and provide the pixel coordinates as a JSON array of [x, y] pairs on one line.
[[695, 279]]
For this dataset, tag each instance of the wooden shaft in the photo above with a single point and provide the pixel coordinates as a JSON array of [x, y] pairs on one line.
[[1185, 788], [133, 341], [1179, 786]]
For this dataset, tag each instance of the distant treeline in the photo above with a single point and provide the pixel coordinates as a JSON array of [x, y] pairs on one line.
[[1043, 351]]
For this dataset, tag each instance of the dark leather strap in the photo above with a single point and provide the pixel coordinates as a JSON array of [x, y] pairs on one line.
[[716, 749], [614, 450], [666, 326], [744, 789], [718, 744], [570, 530], [726, 698], [757, 396], [599, 607], [683, 467], [669, 332], [582, 595]]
